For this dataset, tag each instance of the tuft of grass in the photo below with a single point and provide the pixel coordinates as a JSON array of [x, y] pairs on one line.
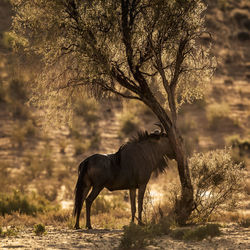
[[196, 234], [39, 229]]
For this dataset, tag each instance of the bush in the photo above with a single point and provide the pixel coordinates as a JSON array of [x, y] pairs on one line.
[[196, 234], [240, 147], [243, 144], [9, 232], [240, 16], [245, 222], [7, 40], [88, 109], [128, 124], [137, 237], [36, 164], [39, 229], [18, 110], [95, 141], [2, 93], [17, 91], [243, 36], [216, 113], [247, 24], [217, 182], [80, 147], [101, 205], [24, 204], [5, 177]]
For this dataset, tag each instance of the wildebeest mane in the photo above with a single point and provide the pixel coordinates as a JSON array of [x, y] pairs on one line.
[[141, 137]]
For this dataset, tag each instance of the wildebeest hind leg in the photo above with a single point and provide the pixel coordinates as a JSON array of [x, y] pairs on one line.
[[95, 191], [85, 193], [141, 193], [132, 194]]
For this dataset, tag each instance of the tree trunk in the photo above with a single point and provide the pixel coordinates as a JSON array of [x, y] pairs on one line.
[[185, 204]]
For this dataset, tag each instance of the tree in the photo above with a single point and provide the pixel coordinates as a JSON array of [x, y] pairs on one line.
[[148, 50]]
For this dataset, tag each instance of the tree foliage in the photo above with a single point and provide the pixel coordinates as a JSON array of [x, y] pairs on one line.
[[124, 47]]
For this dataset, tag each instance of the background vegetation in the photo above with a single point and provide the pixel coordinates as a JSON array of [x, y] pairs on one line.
[[40, 156]]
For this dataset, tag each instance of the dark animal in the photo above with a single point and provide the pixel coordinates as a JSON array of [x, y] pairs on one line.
[[129, 168]]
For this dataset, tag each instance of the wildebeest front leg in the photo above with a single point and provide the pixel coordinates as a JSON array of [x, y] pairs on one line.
[[95, 191], [141, 193], [132, 194]]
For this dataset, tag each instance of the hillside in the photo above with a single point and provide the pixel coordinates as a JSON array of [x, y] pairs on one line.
[[42, 157]]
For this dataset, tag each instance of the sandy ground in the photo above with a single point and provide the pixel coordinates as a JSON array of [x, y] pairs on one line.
[[233, 237]]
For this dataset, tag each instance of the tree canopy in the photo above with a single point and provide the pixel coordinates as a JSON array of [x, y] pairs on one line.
[[133, 48]]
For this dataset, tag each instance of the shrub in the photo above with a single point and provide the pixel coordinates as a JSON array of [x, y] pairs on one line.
[[9, 232], [247, 24], [134, 236], [240, 16], [216, 113], [88, 109], [243, 144], [217, 182], [30, 129], [137, 237], [128, 124], [7, 40], [101, 205], [2, 93], [228, 82], [197, 233], [18, 135], [243, 36], [5, 177], [245, 222], [39, 229], [24, 204], [80, 147], [128, 127], [18, 110], [17, 91], [36, 164]]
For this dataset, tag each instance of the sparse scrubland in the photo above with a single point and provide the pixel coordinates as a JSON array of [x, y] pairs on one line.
[[40, 151]]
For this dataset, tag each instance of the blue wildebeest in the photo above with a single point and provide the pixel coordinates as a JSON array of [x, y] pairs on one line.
[[129, 168]]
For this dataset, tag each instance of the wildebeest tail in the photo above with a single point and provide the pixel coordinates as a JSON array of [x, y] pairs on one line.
[[79, 188]]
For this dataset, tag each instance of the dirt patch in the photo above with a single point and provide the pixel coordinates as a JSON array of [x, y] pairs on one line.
[[233, 237]]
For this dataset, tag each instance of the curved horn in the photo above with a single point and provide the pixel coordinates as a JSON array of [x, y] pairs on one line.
[[160, 126]]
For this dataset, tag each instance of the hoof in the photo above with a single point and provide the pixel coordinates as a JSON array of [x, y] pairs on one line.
[[77, 227], [89, 227]]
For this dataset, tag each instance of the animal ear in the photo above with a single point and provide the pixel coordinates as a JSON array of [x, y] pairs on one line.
[[160, 126]]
